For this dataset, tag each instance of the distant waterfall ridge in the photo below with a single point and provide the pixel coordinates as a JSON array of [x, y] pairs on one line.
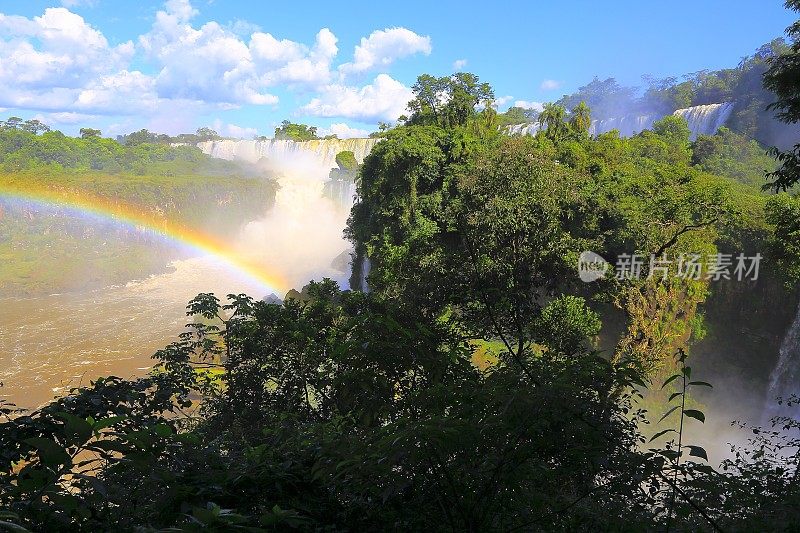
[[323, 151], [705, 119], [702, 119], [627, 125], [302, 235], [784, 378]]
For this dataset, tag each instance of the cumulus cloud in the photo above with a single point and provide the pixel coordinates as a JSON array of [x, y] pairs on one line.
[[213, 64], [384, 47], [501, 101], [524, 104], [209, 64], [64, 117], [61, 66], [550, 85], [232, 130], [57, 49], [459, 64], [384, 99], [121, 92], [48, 60], [300, 66], [344, 131]]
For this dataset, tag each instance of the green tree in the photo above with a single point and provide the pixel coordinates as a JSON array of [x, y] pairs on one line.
[[206, 134], [448, 101], [346, 160], [13, 123], [35, 126], [783, 78], [295, 132], [581, 119], [517, 115], [552, 121], [89, 133]]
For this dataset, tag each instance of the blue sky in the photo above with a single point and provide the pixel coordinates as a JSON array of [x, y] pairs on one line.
[[241, 67]]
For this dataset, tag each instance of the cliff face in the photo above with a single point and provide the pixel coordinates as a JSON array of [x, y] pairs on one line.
[[747, 323]]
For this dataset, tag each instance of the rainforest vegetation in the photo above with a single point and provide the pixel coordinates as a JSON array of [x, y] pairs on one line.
[[479, 385]]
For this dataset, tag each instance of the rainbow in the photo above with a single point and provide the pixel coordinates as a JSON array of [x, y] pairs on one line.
[[133, 216]]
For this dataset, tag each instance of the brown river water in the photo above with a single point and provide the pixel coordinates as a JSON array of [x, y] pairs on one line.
[[51, 343]]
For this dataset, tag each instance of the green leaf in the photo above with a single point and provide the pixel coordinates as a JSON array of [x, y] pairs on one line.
[[669, 412], [694, 413], [8, 526], [673, 396], [162, 430], [698, 451], [107, 422], [76, 429], [670, 380], [700, 384], [660, 433], [687, 371], [50, 452], [669, 454]]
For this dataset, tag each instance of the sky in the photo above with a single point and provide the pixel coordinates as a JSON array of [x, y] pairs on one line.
[[241, 67]]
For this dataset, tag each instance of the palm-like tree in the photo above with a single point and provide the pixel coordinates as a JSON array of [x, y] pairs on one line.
[[551, 120], [581, 119]]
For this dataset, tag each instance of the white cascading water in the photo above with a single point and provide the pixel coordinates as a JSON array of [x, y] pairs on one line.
[[303, 233], [523, 129], [784, 378], [323, 152], [706, 119], [702, 119], [627, 126]]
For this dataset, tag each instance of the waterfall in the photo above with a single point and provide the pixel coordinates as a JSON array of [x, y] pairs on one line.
[[323, 151], [365, 268], [705, 119], [702, 119], [627, 125], [301, 237], [523, 129], [785, 375]]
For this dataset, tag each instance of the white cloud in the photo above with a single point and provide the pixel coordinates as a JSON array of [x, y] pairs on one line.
[[383, 47], [214, 65], [65, 117], [550, 85], [181, 9], [209, 64], [459, 64], [48, 60], [343, 131], [524, 104], [120, 93], [232, 130], [243, 27], [78, 3], [384, 99], [301, 66], [61, 66], [63, 50], [501, 101]]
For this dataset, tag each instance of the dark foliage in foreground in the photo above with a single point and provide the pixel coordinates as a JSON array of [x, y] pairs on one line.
[[347, 412]]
